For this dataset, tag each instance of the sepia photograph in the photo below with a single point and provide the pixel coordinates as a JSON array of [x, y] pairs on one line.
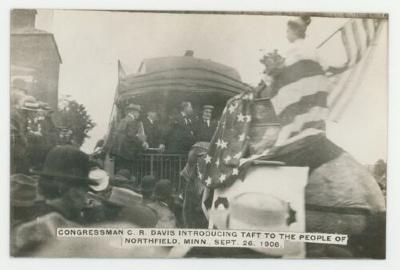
[[198, 134]]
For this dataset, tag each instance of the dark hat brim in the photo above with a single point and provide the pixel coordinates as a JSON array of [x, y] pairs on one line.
[[84, 181], [208, 107]]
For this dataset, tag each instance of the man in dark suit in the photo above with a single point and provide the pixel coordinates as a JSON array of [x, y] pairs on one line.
[[153, 131], [181, 134], [205, 126], [129, 139]]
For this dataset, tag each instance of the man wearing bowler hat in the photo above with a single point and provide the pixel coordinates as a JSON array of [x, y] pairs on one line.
[[205, 127], [63, 185], [129, 139], [147, 187], [161, 203]]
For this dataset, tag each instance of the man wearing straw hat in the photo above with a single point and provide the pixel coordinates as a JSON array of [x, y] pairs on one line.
[[20, 115]]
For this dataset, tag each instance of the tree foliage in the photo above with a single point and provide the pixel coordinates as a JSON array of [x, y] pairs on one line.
[[74, 116]]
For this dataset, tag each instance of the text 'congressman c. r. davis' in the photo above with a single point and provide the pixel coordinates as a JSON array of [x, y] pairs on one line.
[[203, 237]]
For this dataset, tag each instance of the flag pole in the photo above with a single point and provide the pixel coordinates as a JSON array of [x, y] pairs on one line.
[[331, 35]]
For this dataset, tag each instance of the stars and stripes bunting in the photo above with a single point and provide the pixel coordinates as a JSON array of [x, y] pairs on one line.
[[229, 143]]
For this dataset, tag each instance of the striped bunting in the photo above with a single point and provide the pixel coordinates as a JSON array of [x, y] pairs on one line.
[[301, 100], [312, 119], [294, 92]]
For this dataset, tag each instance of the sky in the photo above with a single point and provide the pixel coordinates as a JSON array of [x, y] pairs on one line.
[[92, 42]]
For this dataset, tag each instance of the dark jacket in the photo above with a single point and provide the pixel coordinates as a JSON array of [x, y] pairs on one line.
[[204, 132], [18, 142], [50, 132], [153, 133], [126, 143], [181, 135]]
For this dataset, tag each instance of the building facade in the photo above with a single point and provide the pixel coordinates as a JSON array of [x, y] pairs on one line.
[[35, 58]]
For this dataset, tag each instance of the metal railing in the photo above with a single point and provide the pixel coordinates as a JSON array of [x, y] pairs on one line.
[[162, 166]]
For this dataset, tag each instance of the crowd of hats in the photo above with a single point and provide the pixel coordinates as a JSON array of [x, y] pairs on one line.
[[71, 167], [20, 98]]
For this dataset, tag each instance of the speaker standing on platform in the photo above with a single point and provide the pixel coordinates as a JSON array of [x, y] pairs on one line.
[[205, 126]]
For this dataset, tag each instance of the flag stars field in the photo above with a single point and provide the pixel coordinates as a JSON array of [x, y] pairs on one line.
[[235, 171], [227, 158], [221, 144], [242, 137], [240, 117], [208, 181]]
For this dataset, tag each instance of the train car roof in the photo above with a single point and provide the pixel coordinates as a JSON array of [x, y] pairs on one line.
[[181, 73]]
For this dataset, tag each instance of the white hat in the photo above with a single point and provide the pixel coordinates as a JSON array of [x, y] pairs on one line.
[[101, 179], [258, 211]]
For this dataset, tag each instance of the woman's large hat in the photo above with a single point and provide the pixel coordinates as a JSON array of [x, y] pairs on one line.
[[45, 107], [29, 103]]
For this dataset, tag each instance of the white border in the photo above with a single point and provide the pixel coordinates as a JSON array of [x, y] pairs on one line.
[[393, 227]]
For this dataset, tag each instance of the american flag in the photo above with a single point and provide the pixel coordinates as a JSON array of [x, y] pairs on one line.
[[357, 38], [229, 143]]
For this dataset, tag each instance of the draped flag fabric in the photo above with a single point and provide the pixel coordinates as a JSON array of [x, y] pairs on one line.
[[229, 143], [357, 37]]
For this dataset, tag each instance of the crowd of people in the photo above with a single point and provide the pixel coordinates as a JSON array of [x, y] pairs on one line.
[[33, 132], [54, 184], [72, 190]]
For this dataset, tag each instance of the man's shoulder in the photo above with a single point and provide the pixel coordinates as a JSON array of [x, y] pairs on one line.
[[39, 230], [146, 122], [44, 225]]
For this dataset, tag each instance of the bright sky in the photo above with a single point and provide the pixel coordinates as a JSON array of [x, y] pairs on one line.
[[90, 44]]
